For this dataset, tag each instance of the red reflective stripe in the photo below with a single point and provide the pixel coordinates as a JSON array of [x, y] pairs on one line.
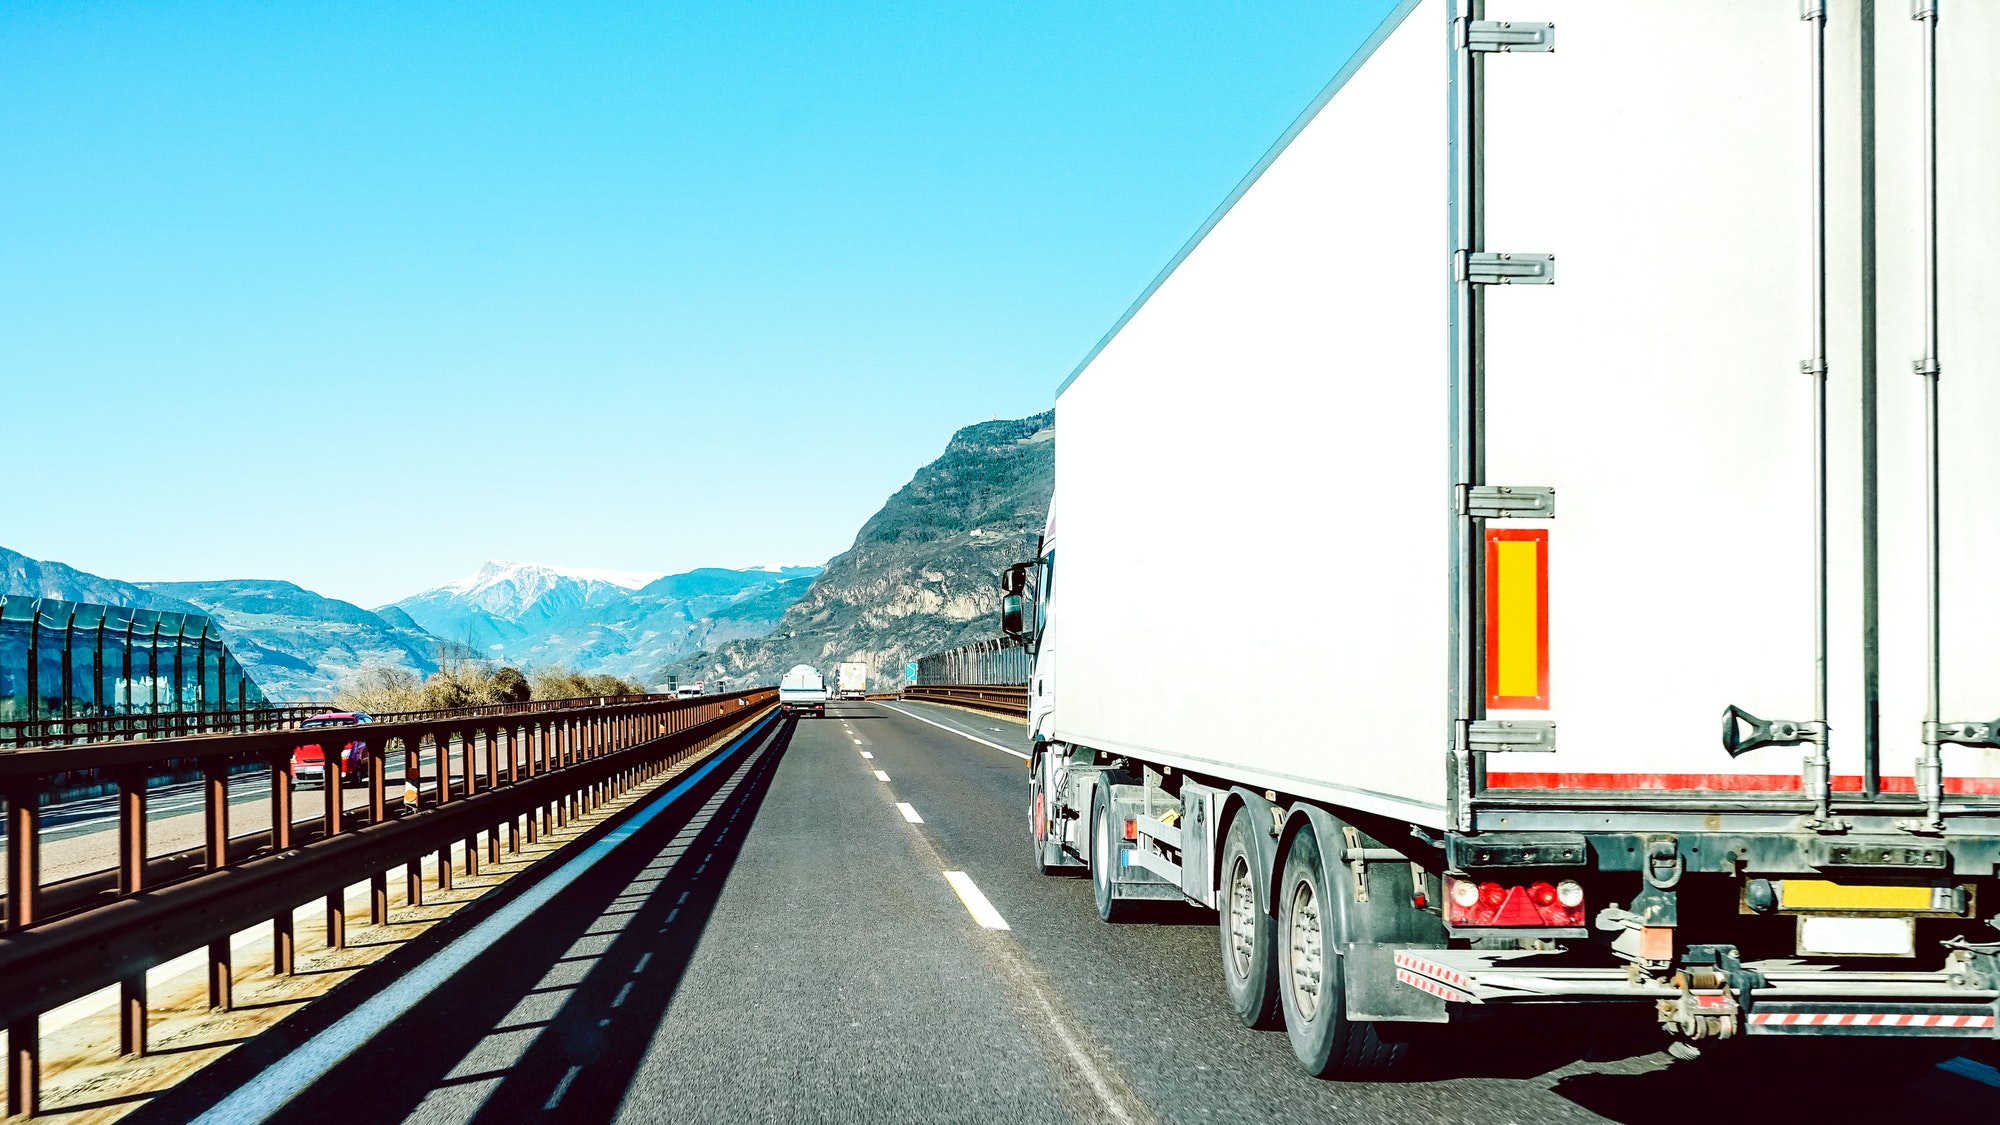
[[1727, 782], [1867, 1019]]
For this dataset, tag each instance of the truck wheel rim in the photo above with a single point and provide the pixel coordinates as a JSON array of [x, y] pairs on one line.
[[1242, 917], [1308, 961]]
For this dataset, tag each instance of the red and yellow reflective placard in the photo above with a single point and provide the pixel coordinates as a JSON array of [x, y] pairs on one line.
[[1517, 618]]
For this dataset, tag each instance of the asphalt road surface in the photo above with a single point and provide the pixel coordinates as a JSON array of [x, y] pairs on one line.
[[813, 933]]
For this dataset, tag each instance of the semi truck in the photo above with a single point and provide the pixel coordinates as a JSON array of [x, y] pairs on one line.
[[1629, 402], [851, 679]]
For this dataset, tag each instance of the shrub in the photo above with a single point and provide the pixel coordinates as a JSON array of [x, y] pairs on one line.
[[558, 682]]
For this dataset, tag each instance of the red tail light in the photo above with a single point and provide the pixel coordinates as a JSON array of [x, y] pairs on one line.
[[1131, 830], [1492, 904]]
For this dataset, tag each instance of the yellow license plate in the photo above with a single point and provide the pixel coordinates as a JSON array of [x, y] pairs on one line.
[[1821, 894]]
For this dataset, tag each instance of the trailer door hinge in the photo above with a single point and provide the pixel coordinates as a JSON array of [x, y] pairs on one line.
[[1513, 735], [1504, 35], [1486, 268], [1506, 501]]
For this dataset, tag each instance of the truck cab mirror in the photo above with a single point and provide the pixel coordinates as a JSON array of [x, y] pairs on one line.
[[1014, 580], [1013, 615]]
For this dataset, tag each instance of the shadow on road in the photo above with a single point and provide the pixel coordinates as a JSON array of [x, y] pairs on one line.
[[550, 1022], [582, 1062]]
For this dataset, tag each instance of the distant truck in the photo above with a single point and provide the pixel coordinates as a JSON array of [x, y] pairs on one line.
[[802, 691], [851, 679], [1568, 531]]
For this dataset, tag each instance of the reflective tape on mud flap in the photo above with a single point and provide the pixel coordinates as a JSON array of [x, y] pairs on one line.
[[1439, 980]]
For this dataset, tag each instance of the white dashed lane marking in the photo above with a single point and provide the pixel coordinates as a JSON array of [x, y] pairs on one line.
[[975, 902], [867, 755], [909, 814], [880, 776]]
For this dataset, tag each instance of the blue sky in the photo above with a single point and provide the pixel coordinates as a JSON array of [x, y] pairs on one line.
[[359, 295]]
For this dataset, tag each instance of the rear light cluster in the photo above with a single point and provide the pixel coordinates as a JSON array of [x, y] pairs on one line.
[[1472, 903]]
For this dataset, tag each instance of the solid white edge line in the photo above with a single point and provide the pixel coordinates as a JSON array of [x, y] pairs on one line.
[[279, 1083], [909, 812], [880, 776], [975, 903], [956, 731]]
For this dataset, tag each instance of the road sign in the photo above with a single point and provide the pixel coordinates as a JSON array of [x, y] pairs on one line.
[[910, 672]]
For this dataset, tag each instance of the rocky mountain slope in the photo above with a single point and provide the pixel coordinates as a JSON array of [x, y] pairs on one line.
[[923, 573], [603, 621]]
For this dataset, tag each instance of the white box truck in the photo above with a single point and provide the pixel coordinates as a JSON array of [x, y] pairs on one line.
[[851, 678], [1598, 389]]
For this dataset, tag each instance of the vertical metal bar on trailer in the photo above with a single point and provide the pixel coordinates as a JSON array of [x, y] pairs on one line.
[[1930, 762]]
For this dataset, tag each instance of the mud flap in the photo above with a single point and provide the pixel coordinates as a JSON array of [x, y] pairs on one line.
[[1373, 993]]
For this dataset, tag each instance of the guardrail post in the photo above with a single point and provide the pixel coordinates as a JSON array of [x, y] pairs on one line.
[[493, 757], [24, 1067], [413, 774], [281, 840], [24, 852], [378, 781], [335, 759], [215, 807], [131, 880]]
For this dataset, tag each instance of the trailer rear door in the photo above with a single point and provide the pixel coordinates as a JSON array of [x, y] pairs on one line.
[[1665, 157]]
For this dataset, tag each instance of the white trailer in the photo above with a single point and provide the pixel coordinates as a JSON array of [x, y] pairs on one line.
[[1581, 382], [851, 678]]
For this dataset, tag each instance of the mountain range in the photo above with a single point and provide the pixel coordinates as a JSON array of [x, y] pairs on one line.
[[628, 625], [298, 644], [923, 574]]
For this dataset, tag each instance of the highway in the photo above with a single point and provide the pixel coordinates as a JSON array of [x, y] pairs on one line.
[[814, 932]]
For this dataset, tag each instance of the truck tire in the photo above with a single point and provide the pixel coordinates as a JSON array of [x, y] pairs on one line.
[[1310, 985], [1249, 964], [1104, 849]]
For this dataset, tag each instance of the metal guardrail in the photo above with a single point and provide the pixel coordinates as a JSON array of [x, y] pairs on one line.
[[157, 724], [556, 762], [276, 716], [1001, 699]]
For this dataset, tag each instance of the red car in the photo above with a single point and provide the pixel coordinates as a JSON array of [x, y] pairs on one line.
[[309, 761]]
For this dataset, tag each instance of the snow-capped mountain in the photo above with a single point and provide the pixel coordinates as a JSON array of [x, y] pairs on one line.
[[520, 591], [599, 620]]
